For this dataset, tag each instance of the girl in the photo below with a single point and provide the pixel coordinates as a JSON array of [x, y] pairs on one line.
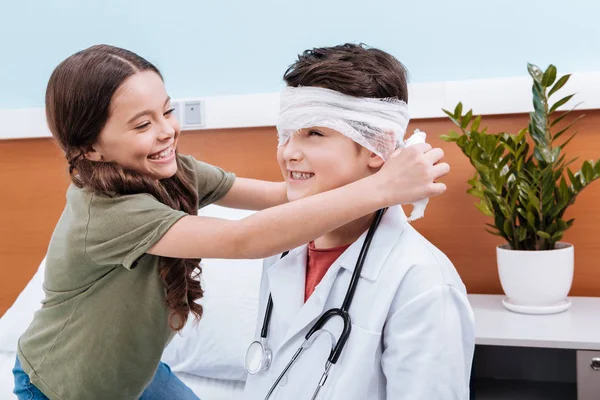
[[122, 264]]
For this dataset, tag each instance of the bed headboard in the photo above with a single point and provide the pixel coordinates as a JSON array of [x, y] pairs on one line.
[[33, 179]]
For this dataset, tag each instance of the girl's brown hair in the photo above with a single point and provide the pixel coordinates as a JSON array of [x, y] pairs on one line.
[[78, 99]]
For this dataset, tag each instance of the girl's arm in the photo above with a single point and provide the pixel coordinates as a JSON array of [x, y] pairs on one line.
[[252, 194], [408, 176]]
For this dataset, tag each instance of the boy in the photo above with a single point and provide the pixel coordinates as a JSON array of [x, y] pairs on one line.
[[412, 329]]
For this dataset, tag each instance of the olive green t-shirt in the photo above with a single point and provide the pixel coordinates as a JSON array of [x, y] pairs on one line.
[[103, 324]]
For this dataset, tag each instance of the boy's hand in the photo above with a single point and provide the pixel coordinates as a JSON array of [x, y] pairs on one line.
[[410, 174]]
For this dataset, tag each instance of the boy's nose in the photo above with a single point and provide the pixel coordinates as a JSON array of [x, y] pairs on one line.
[[291, 150]]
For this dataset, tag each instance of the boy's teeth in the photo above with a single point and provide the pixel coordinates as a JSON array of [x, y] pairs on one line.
[[301, 175]]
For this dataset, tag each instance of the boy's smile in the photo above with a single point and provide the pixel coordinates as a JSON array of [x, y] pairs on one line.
[[319, 159]]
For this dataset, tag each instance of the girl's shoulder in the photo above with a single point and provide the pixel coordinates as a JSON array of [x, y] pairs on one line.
[[86, 201]]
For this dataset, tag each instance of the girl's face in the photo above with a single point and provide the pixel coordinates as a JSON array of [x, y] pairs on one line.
[[141, 134]]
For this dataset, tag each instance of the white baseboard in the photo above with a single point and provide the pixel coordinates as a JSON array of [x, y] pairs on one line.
[[426, 100]]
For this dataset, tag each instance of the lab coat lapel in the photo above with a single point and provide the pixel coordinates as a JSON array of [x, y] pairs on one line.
[[286, 279], [390, 227], [315, 306]]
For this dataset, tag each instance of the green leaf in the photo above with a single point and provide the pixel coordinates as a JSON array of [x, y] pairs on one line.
[[530, 219], [560, 83], [560, 103], [574, 180], [564, 190], [571, 161], [557, 236], [561, 117], [535, 72], [458, 111], [521, 233], [495, 233], [484, 209], [541, 155], [497, 154], [448, 113], [543, 234], [562, 225], [537, 88], [451, 136], [549, 76], [538, 104], [508, 228], [466, 119], [588, 171], [475, 192], [559, 134], [476, 123], [474, 181]]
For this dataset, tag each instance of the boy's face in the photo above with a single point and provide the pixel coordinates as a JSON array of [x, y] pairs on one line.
[[319, 159]]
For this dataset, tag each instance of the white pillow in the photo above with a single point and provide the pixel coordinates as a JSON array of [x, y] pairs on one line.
[[18, 317], [213, 348], [216, 346]]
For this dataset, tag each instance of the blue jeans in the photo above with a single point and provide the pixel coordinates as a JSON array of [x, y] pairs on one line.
[[164, 386]]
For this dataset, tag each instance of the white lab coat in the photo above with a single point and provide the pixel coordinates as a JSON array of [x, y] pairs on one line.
[[413, 333]]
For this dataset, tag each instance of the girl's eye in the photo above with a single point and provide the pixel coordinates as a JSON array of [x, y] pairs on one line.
[[169, 112], [314, 133], [143, 126]]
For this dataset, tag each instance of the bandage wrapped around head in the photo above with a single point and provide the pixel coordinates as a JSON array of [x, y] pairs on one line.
[[376, 124]]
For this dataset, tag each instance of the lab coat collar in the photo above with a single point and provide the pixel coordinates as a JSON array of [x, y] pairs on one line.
[[287, 276], [390, 227]]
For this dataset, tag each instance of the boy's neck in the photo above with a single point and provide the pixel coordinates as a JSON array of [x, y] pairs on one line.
[[346, 234]]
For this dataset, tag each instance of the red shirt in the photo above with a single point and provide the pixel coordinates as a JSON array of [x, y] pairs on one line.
[[318, 262]]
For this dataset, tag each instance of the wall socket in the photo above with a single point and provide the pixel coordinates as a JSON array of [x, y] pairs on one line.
[[190, 113]]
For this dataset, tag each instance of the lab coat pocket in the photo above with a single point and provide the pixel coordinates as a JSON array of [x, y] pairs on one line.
[[357, 374]]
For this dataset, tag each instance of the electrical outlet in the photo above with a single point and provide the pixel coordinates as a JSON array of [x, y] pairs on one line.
[[193, 114]]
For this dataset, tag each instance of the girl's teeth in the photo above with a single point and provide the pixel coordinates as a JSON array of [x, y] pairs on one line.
[[162, 154]]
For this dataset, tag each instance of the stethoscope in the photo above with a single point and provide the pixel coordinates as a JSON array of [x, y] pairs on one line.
[[259, 356]]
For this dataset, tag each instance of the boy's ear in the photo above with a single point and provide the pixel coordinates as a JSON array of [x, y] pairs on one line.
[[375, 161]]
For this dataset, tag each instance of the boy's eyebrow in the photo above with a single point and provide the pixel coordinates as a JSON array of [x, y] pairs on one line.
[[145, 112]]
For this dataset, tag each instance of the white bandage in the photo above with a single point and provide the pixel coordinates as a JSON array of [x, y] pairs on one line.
[[419, 207], [376, 124]]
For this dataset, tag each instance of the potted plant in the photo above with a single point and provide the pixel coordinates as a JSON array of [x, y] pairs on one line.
[[524, 182]]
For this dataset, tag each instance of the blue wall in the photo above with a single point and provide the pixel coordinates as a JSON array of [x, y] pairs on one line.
[[221, 47]]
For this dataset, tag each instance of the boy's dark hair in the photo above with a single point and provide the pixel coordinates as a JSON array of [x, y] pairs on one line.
[[353, 69]]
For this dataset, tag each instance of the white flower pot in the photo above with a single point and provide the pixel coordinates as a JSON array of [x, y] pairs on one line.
[[536, 282]]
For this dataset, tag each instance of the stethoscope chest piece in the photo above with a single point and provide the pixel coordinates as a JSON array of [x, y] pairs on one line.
[[258, 357]]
